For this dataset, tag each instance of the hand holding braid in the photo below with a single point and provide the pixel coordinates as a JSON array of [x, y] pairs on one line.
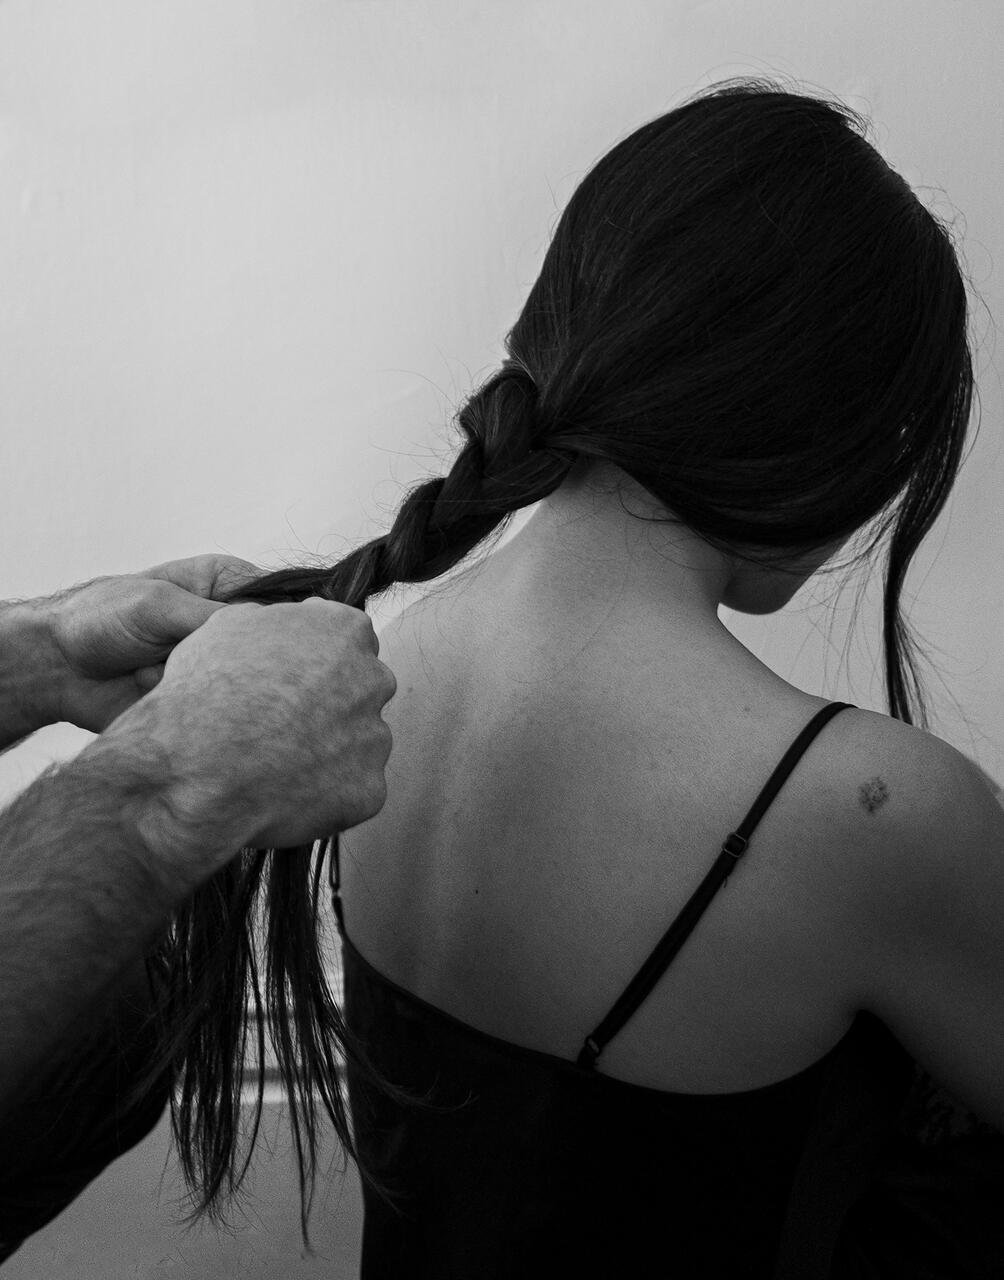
[[506, 464]]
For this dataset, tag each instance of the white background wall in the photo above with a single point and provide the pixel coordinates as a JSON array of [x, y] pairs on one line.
[[253, 255]]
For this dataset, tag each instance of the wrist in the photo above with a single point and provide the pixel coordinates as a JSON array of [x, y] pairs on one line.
[[30, 671], [184, 824]]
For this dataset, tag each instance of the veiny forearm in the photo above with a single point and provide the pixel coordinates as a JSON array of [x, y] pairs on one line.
[[82, 898]]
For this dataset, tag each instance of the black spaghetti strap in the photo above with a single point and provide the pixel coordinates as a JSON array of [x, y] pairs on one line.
[[678, 932]]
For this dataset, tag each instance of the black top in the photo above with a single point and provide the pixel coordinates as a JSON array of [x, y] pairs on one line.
[[544, 1167], [550, 1169]]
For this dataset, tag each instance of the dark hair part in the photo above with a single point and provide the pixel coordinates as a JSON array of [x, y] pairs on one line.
[[745, 309]]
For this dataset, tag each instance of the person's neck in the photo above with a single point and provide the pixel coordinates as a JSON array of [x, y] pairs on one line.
[[581, 550]]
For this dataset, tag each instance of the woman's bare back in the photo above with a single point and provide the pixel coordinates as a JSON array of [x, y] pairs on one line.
[[554, 800]]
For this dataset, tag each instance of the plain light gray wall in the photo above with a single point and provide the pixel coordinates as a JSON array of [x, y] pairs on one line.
[[252, 257]]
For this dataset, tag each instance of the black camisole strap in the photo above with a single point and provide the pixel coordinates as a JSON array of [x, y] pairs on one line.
[[678, 932]]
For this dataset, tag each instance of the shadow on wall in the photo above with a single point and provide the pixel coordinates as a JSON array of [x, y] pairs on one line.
[[125, 1225]]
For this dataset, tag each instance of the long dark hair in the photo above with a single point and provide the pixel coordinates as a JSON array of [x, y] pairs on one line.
[[745, 309]]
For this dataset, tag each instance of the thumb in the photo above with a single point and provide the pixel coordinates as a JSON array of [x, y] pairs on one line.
[[163, 618]]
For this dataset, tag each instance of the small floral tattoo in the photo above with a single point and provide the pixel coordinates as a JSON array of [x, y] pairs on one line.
[[873, 794]]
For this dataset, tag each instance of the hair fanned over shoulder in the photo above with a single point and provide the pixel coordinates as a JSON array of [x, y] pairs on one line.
[[748, 311]]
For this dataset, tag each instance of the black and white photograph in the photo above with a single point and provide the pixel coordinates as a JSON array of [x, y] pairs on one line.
[[501, 640]]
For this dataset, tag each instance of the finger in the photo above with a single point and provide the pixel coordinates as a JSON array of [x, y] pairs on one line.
[[360, 617], [163, 615], [390, 684], [149, 677], [369, 632], [234, 574], [209, 576]]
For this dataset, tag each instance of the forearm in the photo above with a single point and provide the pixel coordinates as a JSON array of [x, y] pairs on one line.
[[83, 896], [28, 666]]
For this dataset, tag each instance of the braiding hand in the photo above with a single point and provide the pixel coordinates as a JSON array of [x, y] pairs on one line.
[[111, 636]]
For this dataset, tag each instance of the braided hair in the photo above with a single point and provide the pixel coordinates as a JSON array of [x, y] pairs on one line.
[[747, 311], [508, 462]]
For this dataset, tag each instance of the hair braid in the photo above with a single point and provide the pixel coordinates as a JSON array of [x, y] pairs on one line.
[[505, 464]]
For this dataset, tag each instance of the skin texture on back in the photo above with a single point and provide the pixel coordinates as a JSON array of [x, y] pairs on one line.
[[575, 734], [546, 819]]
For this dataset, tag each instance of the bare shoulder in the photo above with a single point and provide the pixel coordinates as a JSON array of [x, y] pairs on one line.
[[909, 801], [932, 910], [930, 792]]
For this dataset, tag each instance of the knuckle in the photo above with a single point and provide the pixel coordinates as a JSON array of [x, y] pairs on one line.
[[336, 608], [367, 633], [390, 682], [360, 620]]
